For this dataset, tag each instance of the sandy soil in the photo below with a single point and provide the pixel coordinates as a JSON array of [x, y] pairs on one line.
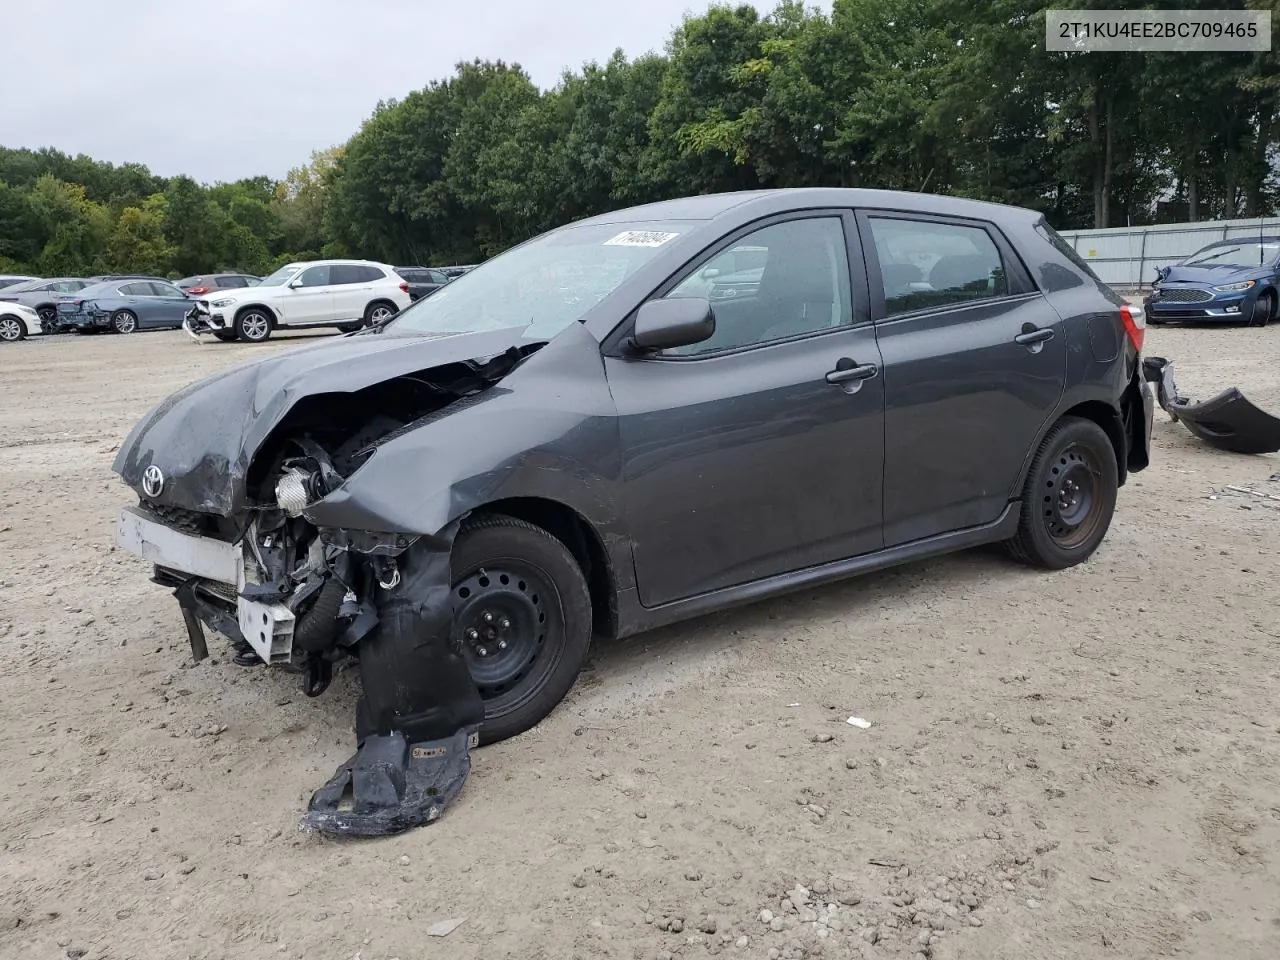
[[1077, 765]]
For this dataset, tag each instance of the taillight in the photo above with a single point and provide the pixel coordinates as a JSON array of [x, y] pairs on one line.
[[404, 286], [1135, 324], [198, 290]]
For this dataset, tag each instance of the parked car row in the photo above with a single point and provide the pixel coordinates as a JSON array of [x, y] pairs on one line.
[[346, 294]]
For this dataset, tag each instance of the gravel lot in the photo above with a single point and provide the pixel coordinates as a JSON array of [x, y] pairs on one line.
[[1074, 765]]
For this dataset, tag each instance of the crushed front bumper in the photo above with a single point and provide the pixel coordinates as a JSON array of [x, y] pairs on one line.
[[202, 318], [196, 561]]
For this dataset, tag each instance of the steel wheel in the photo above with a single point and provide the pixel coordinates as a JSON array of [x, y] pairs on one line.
[[11, 329], [124, 322], [502, 616], [254, 326], [1072, 507], [1069, 496]]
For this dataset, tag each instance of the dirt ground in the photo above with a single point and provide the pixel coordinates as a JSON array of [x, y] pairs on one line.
[[1075, 765]]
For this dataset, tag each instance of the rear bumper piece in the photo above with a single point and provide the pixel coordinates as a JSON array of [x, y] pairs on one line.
[[268, 627], [1227, 421]]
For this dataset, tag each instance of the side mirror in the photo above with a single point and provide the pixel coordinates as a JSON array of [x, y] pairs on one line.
[[679, 322], [710, 273], [295, 283]]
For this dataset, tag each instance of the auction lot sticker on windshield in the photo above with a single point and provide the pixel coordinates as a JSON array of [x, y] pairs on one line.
[[640, 238]]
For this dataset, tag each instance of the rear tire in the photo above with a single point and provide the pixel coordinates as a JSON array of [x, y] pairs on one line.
[[1069, 496], [254, 325], [522, 618], [124, 321], [48, 317], [378, 311], [1263, 309], [226, 336]]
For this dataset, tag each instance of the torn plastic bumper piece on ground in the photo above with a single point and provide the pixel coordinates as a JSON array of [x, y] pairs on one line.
[[420, 713], [1227, 421]]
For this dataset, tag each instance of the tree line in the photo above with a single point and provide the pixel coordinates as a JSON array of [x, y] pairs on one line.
[[943, 96]]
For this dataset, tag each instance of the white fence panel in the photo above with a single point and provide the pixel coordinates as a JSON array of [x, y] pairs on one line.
[[1128, 257]]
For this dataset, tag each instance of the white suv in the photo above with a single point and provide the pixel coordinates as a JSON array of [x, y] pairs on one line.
[[347, 294]]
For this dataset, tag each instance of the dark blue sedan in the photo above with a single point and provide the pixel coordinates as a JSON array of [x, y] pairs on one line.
[[124, 306], [1228, 280]]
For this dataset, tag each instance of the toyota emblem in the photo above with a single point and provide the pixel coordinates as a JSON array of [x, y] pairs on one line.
[[152, 481]]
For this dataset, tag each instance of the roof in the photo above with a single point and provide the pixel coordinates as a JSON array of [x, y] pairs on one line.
[[712, 205]]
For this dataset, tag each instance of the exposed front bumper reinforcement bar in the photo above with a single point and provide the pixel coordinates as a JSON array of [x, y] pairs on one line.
[[1227, 421]]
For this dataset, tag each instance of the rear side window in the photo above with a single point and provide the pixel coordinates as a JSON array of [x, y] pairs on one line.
[[926, 263], [415, 276], [1060, 244], [229, 283], [136, 290], [370, 274]]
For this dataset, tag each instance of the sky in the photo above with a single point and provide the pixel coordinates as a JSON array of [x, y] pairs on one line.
[[224, 89]]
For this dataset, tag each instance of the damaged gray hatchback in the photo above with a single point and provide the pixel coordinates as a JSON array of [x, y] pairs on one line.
[[573, 440]]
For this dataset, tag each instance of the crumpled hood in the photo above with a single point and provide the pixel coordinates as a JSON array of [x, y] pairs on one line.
[[204, 437], [1214, 275]]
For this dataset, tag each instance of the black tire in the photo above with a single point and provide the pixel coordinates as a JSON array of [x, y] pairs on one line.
[[124, 321], [525, 578], [378, 311], [12, 329], [349, 327], [48, 317], [254, 324], [226, 336], [1069, 496], [1264, 309]]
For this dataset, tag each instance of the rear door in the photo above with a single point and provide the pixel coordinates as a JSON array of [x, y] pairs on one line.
[[759, 451], [974, 362], [352, 289]]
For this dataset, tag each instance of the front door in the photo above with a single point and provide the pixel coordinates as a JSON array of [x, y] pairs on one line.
[[171, 304], [760, 450], [311, 301], [975, 360]]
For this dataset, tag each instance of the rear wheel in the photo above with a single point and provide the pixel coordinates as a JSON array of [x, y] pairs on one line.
[[522, 617], [254, 325], [48, 317], [12, 329], [377, 312], [124, 321], [1263, 309], [1069, 496]]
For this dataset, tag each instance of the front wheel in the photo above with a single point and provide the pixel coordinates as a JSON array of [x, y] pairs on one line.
[[253, 325], [124, 321], [1069, 497], [522, 617], [226, 336], [1263, 308], [12, 329]]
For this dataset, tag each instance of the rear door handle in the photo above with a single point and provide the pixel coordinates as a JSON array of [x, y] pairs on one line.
[[1036, 335], [842, 374]]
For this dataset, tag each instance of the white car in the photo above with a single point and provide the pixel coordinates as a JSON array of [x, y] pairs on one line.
[[347, 294], [18, 321]]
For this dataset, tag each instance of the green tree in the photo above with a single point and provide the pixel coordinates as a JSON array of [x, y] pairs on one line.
[[137, 243]]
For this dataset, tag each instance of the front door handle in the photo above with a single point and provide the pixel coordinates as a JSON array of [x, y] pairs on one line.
[[1032, 335], [847, 371]]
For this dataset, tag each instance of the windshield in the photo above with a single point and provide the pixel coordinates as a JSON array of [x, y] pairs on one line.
[[281, 276], [1236, 254], [543, 285]]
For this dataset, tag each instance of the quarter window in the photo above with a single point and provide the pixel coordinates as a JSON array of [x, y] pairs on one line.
[[929, 264], [783, 280]]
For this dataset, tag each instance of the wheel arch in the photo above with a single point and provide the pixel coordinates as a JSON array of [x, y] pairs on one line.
[[1105, 416], [583, 541], [275, 317]]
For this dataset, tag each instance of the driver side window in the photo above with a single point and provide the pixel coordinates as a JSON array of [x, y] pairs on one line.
[[314, 276], [784, 280]]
